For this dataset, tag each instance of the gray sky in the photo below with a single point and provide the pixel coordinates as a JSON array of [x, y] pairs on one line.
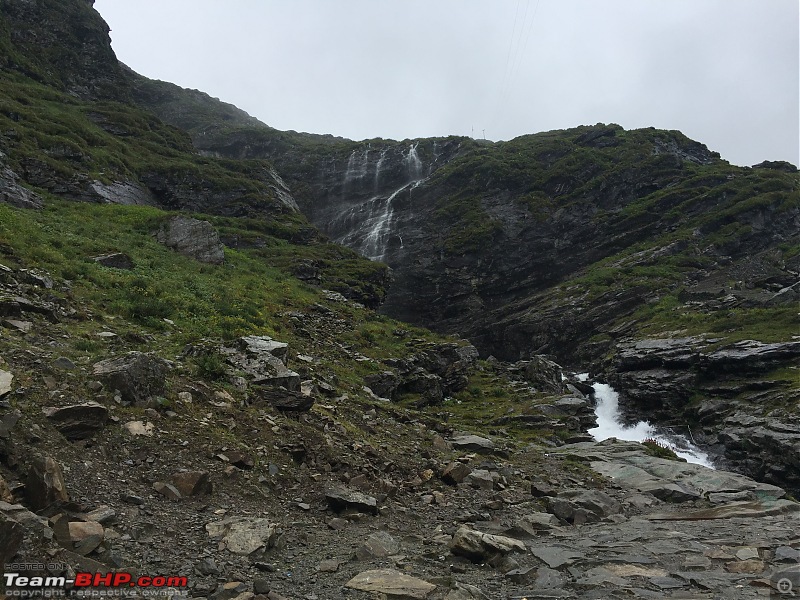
[[725, 72]]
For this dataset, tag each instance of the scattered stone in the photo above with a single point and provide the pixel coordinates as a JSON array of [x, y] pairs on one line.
[[245, 535], [534, 524], [193, 238], [479, 547], [787, 554], [207, 566], [330, 565], [62, 362], [463, 591], [132, 499], [240, 460], [378, 545], [167, 490], [45, 483], [140, 428], [80, 530], [455, 473], [340, 499], [745, 566], [481, 479], [393, 584], [79, 421], [138, 376], [116, 260], [192, 483], [103, 515]]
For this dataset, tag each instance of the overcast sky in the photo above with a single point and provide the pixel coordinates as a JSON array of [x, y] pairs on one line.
[[725, 72]]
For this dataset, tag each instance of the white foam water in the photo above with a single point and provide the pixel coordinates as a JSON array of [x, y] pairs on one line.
[[609, 424]]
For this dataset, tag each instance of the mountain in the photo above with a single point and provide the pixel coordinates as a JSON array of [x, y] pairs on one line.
[[203, 374]]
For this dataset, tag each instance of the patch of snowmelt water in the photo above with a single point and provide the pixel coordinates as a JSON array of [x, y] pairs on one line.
[[609, 424]]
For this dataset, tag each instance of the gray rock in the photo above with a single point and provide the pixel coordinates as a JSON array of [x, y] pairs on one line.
[[117, 260], [383, 384], [192, 483], [479, 547], [138, 377], [245, 535], [167, 490], [455, 473], [464, 591], [15, 194], [481, 479], [555, 556], [544, 374], [194, 238], [473, 443], [378, 545], [340, 499], [79, 421], [62, 362], [5, 382], [45, 483], [263, 360], [391, 583]]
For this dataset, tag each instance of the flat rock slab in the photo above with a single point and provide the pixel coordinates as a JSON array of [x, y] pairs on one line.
[[394, 584], [668, 480], [555, 556], [728, 511], [340, 499], [473, 443]]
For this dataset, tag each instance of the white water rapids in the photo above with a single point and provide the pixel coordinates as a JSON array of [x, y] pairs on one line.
[[609, 424]]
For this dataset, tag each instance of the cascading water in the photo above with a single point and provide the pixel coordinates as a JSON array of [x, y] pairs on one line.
[[413, 163], [378, 167], [368, 225], [609, 424]]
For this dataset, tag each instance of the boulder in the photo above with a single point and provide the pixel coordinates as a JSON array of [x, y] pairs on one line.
[[192, 483], [79, 421], [116, 260], [383, 384], [245, 535], [138, 376], [11, 536], [378, 545], [263, 360], [340, 499], [473, 443], [544, 374], [194, 238], [45, 483], [479, 547]]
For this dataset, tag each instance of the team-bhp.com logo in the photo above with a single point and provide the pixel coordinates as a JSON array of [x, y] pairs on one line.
[[94, 585]]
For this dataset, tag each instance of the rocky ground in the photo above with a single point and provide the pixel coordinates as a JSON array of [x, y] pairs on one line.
[[341, 498]]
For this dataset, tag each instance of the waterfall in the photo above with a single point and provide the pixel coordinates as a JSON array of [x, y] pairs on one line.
[[380, 226], [609, 424], [378, 167], [357, 166], [413, 162]]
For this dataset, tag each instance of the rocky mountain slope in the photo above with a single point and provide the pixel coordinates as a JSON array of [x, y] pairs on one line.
[[575, 243], [194, 381]]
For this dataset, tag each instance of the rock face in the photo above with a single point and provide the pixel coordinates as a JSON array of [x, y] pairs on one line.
[[194, 238]]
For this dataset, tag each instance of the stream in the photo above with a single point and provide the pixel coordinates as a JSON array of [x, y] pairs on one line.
[[609, 424]]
